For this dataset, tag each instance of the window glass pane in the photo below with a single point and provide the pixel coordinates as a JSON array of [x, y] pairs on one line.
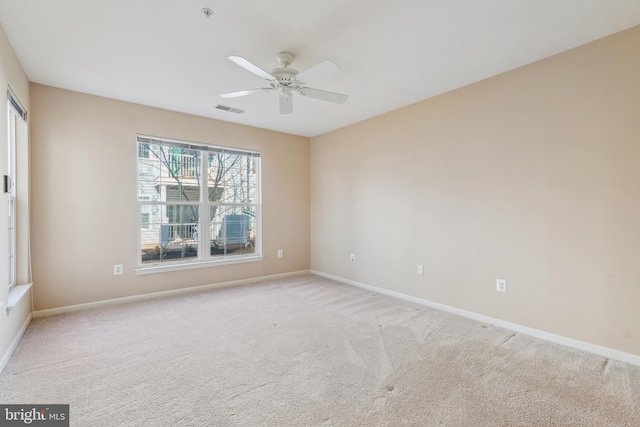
[[143, 150], [231, 178], [12, 119], [171, 233], [149, 175], [170, 174], [233, 230], [12, 242]]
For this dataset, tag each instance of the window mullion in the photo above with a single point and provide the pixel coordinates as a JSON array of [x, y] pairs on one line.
[[203, 227]]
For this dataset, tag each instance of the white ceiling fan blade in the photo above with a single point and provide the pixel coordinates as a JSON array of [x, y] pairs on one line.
[[318, 71], [251, 67], [245, 92], [286, 104], [338, 98]]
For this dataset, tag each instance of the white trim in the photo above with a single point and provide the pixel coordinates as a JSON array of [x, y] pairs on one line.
[[15, 295], [160, 268], [547, 336], [133, 298], [14, 343]]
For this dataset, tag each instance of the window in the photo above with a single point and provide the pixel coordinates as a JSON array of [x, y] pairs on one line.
[[143, 151], [15, 113], [144, 220], [198, 204]]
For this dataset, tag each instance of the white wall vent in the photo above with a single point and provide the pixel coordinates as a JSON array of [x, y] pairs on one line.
[[229, 109]]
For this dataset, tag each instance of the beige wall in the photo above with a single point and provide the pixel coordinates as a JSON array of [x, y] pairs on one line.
[[84, 200], [532, 176], [12, 74]]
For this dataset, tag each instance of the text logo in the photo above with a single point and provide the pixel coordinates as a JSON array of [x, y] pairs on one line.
[[34, 415]]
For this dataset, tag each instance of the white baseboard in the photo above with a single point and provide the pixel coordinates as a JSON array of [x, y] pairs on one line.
[[7, 354], [133, 298], [558, 339]]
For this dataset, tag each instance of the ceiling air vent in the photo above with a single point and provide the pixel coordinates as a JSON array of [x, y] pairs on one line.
[[229, 109]]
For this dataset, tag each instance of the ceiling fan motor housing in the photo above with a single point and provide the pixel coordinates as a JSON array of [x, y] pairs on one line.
[[284, 77]]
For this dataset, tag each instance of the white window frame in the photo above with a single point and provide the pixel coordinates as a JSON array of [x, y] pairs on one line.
[[15, 111], [204, 259]]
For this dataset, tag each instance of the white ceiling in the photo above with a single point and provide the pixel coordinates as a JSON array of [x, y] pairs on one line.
[[167, 54]]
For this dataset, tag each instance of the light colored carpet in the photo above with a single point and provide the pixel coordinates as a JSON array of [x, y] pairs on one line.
[[307, 351]]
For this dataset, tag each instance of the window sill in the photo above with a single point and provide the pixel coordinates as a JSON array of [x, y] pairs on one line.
[[15, 295], [161, 268]]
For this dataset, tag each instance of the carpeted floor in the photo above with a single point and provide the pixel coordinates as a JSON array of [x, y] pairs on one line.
[[308, 351]]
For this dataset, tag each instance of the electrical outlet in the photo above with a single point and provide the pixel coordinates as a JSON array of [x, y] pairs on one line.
[[279, 253], [353, 257], [420, 269], [117, 269], [501, 285]]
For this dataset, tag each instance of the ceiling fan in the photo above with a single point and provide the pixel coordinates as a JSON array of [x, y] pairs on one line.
[[287, 80]]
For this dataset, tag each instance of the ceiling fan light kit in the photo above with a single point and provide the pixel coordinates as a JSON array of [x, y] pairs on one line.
[[288, 80]]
